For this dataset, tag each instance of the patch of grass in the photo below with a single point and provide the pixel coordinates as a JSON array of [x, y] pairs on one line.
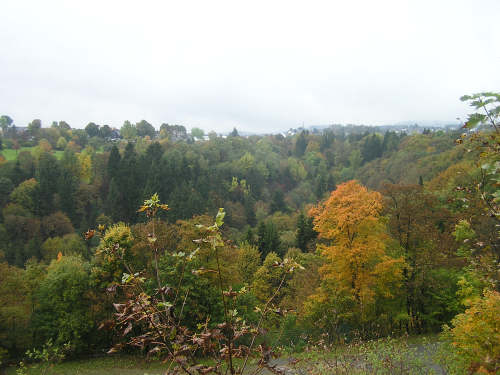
[[112, 365], [11, 154]]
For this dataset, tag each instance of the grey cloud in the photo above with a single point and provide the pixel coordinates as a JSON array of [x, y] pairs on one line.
[[260, 66]]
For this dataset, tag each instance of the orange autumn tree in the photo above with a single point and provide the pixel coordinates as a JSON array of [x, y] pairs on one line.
[[360, 281]]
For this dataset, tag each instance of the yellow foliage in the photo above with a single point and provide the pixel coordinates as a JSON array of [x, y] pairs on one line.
[[356, 267], [476, 334], [345, 211], [118, 234], [85, 160]]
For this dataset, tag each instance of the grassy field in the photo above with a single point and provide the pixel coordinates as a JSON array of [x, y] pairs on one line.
[[422, 355], [10, 154], [112, 365]]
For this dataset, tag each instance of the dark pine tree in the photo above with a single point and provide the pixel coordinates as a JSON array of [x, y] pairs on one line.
[[113, 162], [250, 212], [278, 202], [300, 144], [153, 181], [114, 201], [301, 233], [268, 239], [47, 175], [305, 232], [249, 237], [262, 238], [68, 186], [17, 175], [129, 184], [372, 148]]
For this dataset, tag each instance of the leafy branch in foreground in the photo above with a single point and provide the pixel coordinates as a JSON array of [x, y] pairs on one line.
[[152, 319], [487, 144]]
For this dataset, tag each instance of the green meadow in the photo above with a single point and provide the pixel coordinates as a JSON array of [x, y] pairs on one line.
[[11, 154]]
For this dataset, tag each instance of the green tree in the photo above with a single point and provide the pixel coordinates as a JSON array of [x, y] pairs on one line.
[[250, 211], [268, 238], [422, 229], [248, 262], [144, 129], [110, 270], [305, 232], [15, 310], [5, 123], [197, 133], [268, 278], [69, 182], [46, 174], [34, 128], [63, 314], [372, 148], [113, 162], [56, 224], [69, 244], [26, 194], [105, 131], [128, 183], [80, 137], [390, 142], [234, 133], [92, 129], [6, 187], [64, 126], [61, 143], [128, 130], [300, 144], [278, 202]]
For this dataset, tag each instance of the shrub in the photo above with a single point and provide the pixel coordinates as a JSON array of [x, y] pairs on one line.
[[476, 336]]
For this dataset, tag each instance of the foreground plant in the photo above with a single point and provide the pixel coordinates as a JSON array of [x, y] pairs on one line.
[[152, 321], [45, 357]]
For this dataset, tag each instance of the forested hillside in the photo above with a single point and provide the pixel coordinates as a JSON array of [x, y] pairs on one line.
[[334, 234]]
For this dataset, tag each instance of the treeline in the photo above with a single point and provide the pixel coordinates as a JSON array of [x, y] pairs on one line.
[[263, 182], [387, 227]]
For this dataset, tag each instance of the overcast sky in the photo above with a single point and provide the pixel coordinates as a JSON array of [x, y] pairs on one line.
[[255, 65]]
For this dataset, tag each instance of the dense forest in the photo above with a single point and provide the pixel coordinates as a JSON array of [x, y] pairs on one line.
[[387, 232]]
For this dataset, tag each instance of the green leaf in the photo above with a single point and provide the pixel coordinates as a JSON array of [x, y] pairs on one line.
[[219, 219], [474, 120], [126, 278], [163, 305], [192, 255]]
